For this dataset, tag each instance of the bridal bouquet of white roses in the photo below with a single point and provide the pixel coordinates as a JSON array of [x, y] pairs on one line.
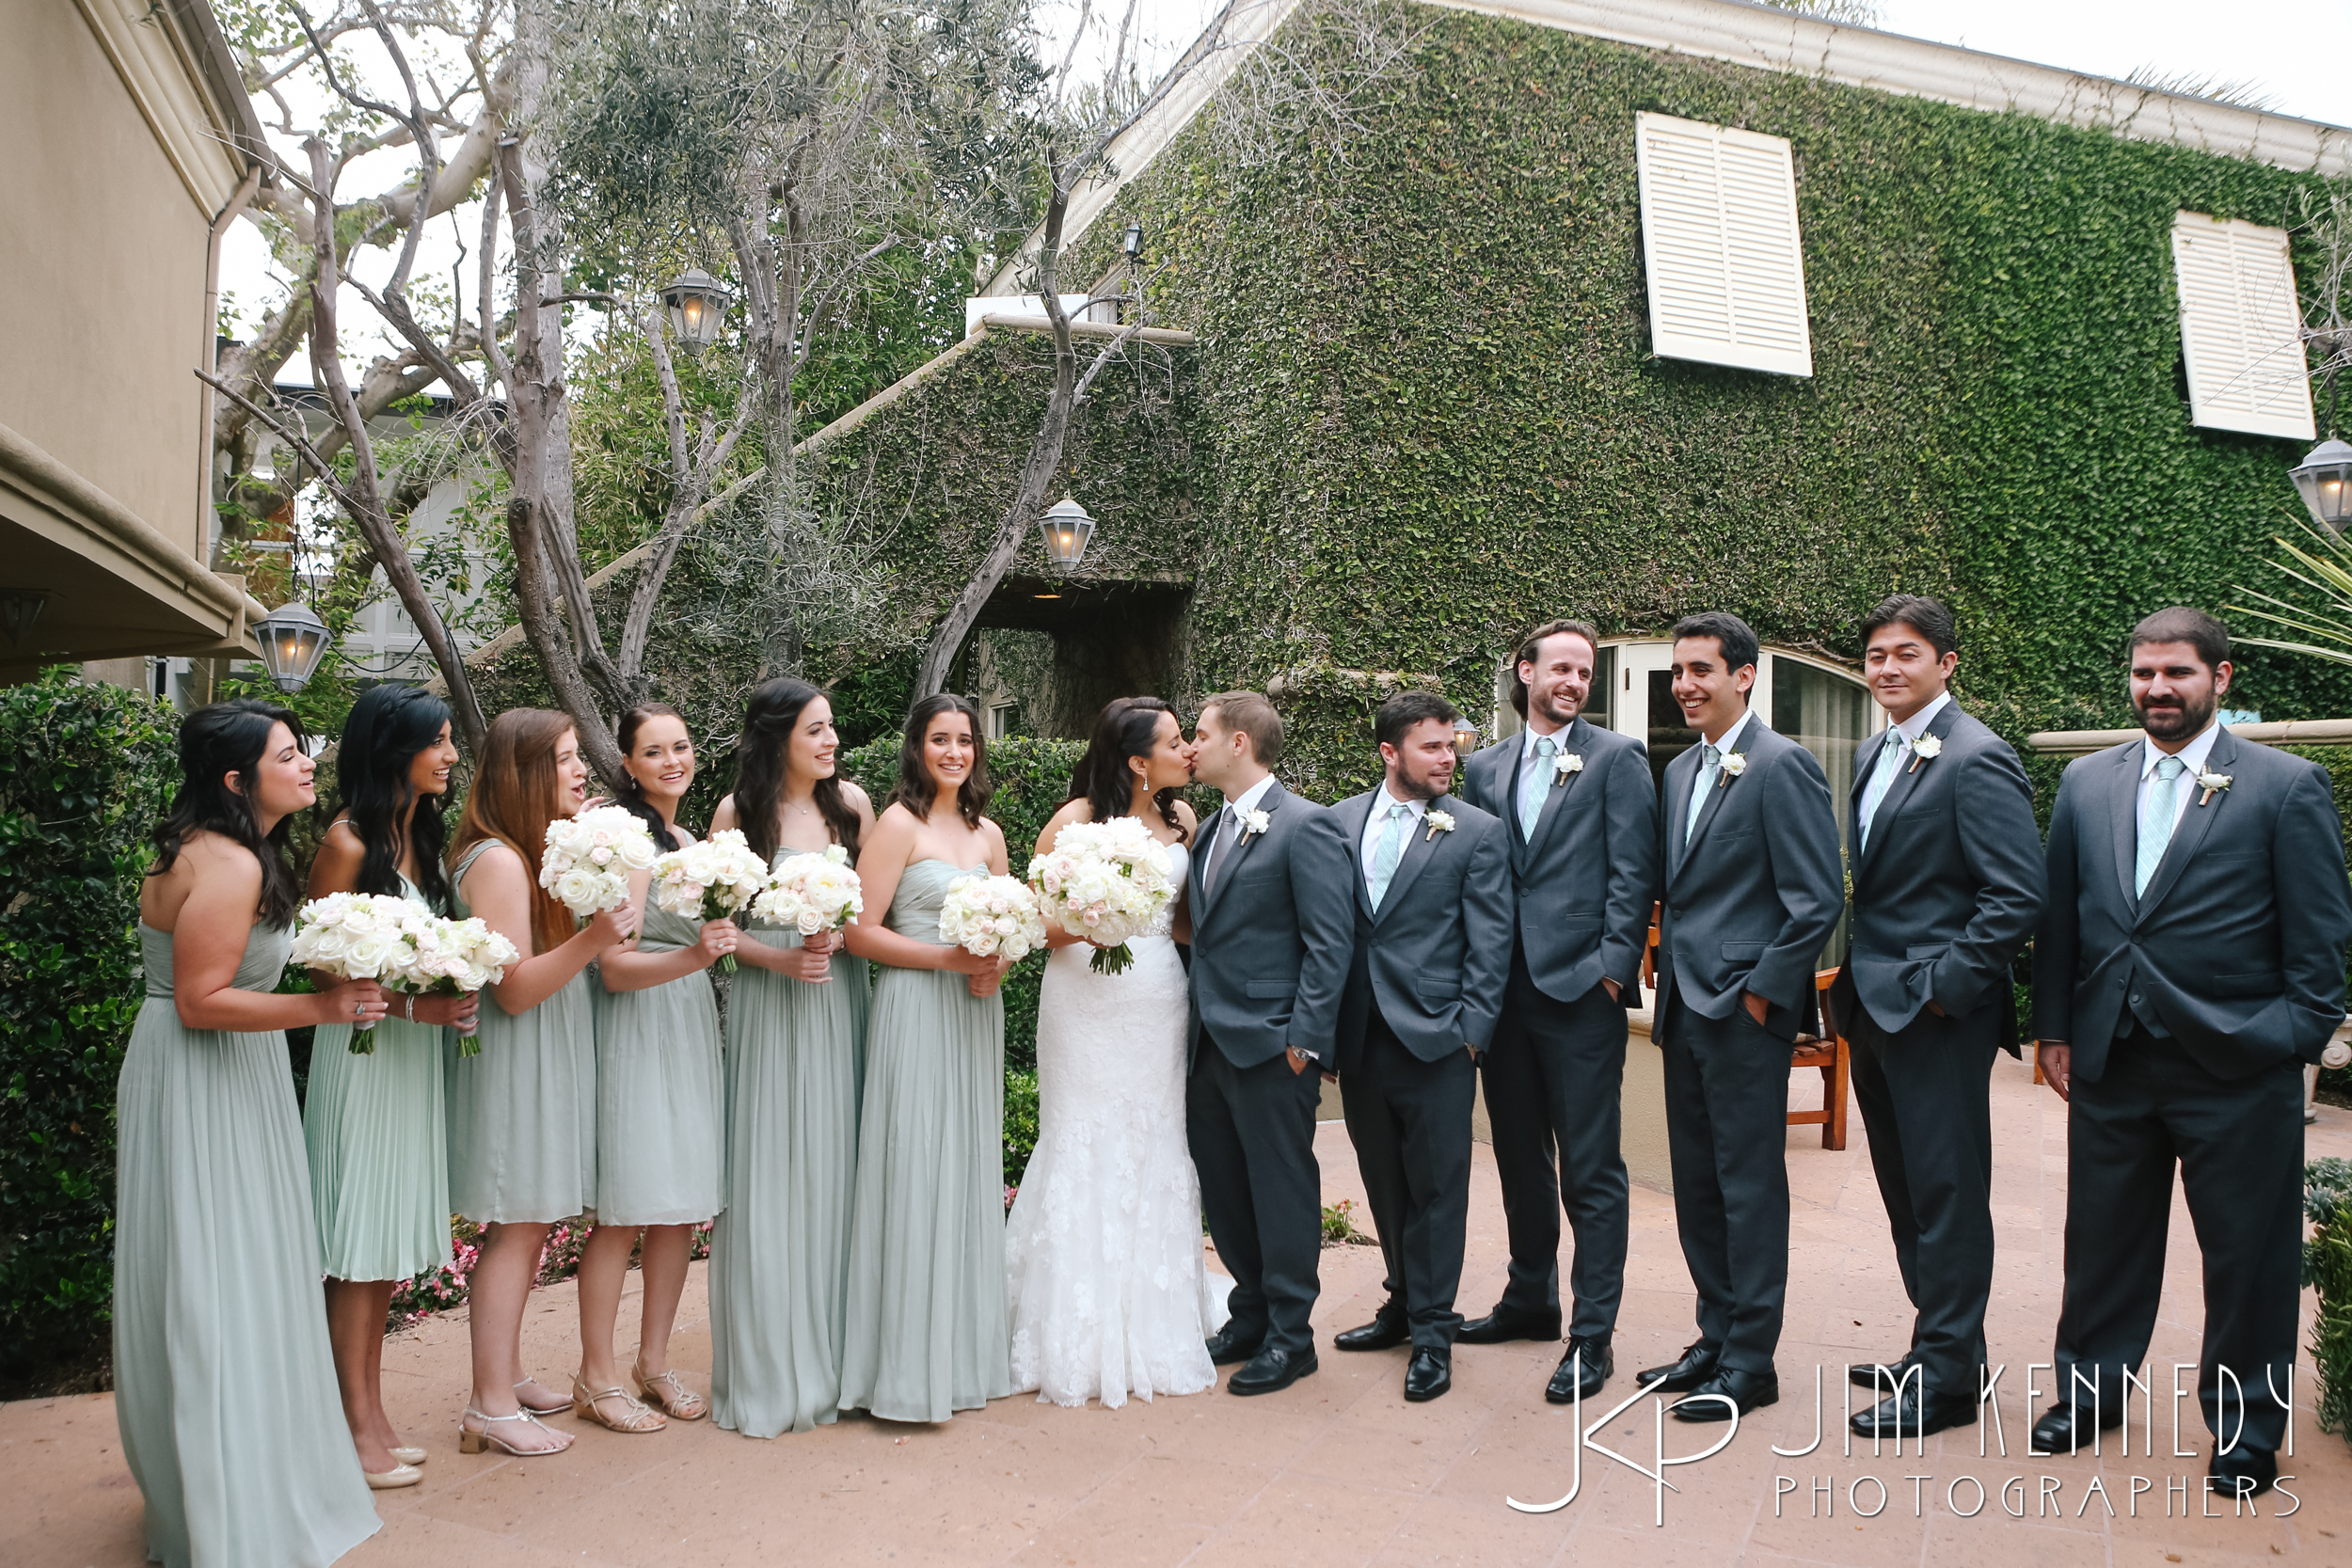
[[1107, 882], [402, 946], [710, 880], [810, 894], [992, 917], [589, 857]]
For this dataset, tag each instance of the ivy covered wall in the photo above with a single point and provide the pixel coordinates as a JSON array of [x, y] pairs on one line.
[[1428, 415]]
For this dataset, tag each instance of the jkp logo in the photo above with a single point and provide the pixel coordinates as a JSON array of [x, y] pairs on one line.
[[1659, 1484]]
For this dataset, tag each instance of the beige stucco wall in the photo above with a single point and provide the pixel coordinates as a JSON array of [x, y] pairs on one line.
[[101, 272]]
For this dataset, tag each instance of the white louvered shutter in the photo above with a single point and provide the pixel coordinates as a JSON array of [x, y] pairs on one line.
[[2241, 327], [1718, 232]]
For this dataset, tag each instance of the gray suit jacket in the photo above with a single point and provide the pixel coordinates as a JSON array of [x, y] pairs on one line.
[[1586, 881], [1271, 946], [1435, 957], [1949, 887], [1753, 897], [2237, 945]]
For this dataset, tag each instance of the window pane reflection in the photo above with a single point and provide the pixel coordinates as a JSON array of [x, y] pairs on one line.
[[1829, 715]]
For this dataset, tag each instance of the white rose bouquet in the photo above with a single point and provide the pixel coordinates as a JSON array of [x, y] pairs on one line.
[[992, 917], [589, 857], [1107, 882], [812, 893], [460, 957], [402, 945], [710, 880]]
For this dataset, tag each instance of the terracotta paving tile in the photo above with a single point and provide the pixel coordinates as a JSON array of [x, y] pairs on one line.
[[1339, 1468]]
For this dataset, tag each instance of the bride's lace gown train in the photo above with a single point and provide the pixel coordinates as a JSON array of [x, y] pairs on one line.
[[1110, 1294]]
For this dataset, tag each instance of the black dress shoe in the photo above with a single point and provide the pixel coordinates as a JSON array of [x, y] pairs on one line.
[[1695, 1367], [2240, 1467], [1507, 1324], [1586, 1365], [2060, 1431], [1910, 1414], [1387, 1330], [1748, 1390], [1432, 1373], [1873, 1375], [1270, 1370], [1224, 1346]]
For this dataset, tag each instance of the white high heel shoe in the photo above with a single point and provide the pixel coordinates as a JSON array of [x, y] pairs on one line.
[[393, 1478]]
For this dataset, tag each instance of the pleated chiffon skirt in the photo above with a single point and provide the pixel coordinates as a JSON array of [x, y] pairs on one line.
[[522, 1115], [780, 1252], [378, 1139], [929, 1332], [224, 1381], [660, 1092]]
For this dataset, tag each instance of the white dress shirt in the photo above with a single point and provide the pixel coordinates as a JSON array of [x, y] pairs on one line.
[[2185, 789], [1230, 825], [1377, 823], [1731, 735], [1890, 752], [1530, 735]]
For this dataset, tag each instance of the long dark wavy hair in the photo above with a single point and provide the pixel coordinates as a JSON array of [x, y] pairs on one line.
[[764, 758], [231, 738], [631, 795], [387, 727], [1126, 728], [917, 790]]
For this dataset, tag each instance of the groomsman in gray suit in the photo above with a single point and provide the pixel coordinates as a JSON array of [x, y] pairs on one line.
[[1432, 948], [1947, 881], [1273, 932], [2189, 962], [1580, 816], [1752, 890]]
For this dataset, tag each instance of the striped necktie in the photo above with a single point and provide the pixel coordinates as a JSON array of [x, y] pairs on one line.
[[2155, 822], [1386, 853], [1710, 763], [1883, 779], [1535, 786]]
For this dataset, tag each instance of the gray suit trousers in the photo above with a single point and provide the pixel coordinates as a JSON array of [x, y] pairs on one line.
[[1410, 1123], [2239, 1143], [1727, 1142], [1253, 1131], [1924, 1096], [1554, 1077]]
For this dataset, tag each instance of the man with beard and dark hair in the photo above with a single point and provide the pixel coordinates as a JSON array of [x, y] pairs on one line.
[[2190, 959]]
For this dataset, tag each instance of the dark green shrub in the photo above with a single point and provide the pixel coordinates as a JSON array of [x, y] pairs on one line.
[[1032, 780], [85, 772], [2328, 1266], [1020, 1124]]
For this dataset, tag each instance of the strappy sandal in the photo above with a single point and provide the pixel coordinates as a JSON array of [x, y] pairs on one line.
[[470, 1441], [560, 1404], [670, 1395], [634, 1418]]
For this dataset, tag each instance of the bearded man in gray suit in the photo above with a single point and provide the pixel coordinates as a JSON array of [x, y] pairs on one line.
[[1752, 890], [1273, 932], [1580, 813], [1947, 883], [1433, 948], [2189, 962]]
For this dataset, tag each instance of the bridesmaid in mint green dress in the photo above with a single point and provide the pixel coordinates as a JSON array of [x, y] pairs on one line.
[[796, 1063], [224, 1382], [522, 1112], [929, 1322], [379, 1162], [661, 1104]]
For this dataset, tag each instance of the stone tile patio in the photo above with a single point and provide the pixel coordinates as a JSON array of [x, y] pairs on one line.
[[1338, 1469]]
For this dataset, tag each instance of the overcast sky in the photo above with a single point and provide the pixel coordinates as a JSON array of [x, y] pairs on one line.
[[2294, 51]]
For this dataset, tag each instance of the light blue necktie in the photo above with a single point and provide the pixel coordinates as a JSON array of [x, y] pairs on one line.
[[1883, 779], [2156, 821], [1535, 786], [1710, 765], [1386, 853]]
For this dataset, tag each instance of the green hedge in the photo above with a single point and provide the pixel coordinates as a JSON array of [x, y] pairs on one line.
[[1032, 780], [85, 772]]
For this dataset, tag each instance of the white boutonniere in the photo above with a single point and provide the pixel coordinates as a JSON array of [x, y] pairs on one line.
[[1733, 764], [1440, 822], [1253, 825], [2211, 784], [1570, 762], [1926, 748]]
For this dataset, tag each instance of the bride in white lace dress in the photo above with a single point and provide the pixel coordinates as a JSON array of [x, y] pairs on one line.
[[1110, 1294]]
